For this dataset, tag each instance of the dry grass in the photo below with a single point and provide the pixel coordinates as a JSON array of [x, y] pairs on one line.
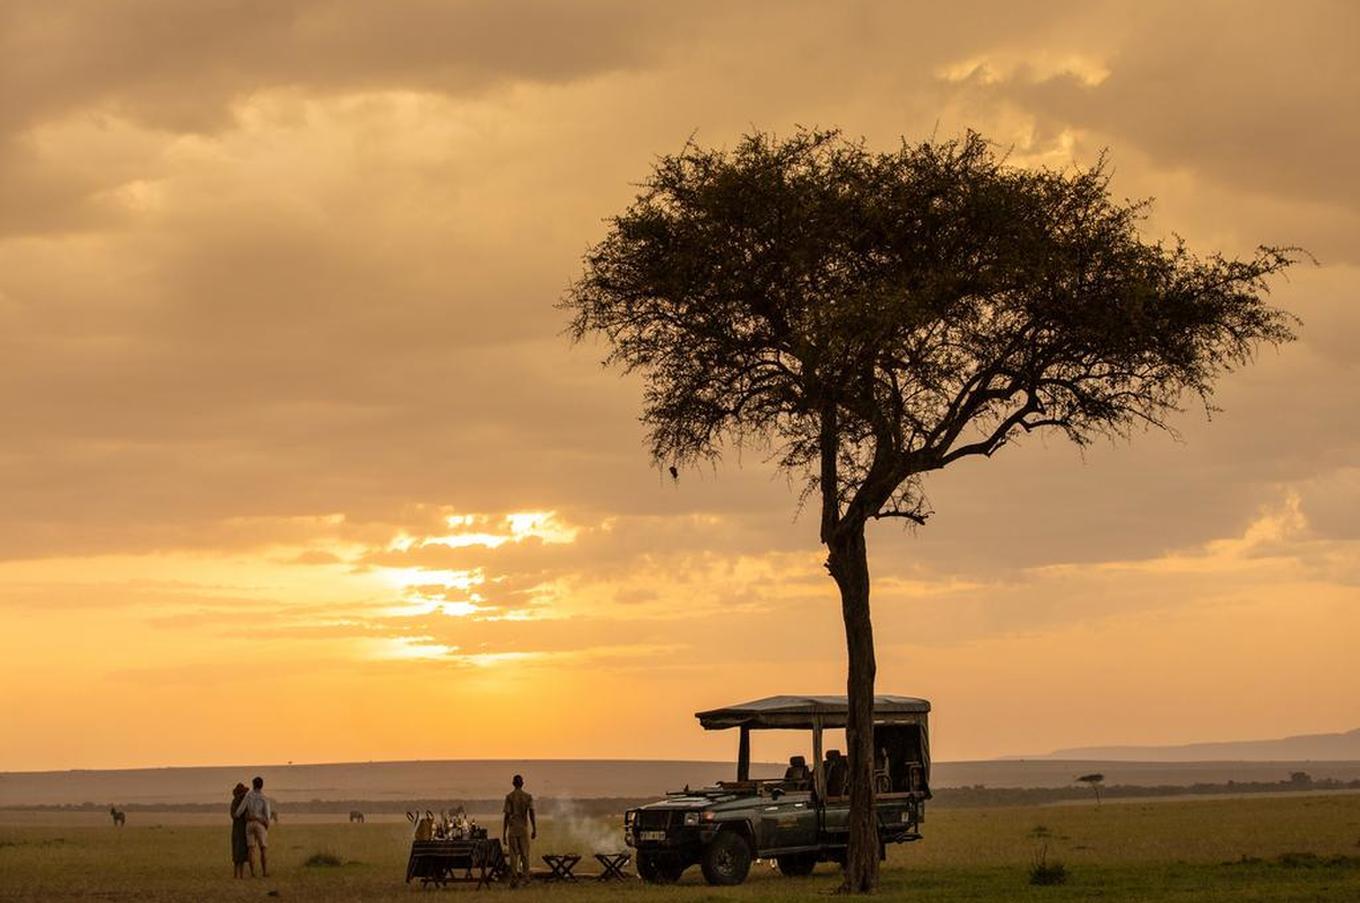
[[1241, 849]]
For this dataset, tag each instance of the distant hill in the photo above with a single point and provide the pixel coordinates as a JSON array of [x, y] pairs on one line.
[[1304, 747], [459, 780], [449, 779]]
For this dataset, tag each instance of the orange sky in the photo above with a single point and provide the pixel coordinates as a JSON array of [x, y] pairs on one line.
[[290, 425]]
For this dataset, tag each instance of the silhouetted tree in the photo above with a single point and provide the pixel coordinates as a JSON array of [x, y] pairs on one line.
[[873, 317], [1094, 781]]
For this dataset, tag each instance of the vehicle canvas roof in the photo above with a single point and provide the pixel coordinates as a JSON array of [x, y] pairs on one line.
[[807, 712]]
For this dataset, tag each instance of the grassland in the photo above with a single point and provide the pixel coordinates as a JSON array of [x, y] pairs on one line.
[[1292, 849]]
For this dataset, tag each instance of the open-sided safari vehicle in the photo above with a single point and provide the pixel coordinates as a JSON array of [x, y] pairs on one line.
[[798, 820]]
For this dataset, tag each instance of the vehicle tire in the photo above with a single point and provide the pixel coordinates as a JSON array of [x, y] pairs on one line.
[[659, 869], [727, 859], [798, 865]]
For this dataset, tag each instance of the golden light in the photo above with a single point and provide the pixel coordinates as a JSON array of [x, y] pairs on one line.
[[408, 648], [408, 577]]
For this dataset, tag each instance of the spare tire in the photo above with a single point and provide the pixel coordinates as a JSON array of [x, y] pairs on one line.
[[726, 859]]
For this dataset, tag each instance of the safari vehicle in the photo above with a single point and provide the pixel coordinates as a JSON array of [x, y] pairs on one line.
[[798, 820]]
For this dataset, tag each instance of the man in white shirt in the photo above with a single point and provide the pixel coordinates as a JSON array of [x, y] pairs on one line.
[[255, 807]]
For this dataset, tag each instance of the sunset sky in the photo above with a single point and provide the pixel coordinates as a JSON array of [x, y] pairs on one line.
[[296, 463]]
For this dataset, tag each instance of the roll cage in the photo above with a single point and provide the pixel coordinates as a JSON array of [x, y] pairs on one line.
[[901, 740]]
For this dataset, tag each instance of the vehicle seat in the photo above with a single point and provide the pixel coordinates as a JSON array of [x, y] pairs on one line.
[[797, 776], [837, 773]]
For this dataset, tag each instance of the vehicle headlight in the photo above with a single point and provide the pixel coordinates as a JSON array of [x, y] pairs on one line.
[[691, 819]]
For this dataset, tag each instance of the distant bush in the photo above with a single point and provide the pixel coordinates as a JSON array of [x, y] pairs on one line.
[[1298, 860], [1245, 860], [1301, 860], [1042, 872], [979, 795], [1313, 861], [323, 860]]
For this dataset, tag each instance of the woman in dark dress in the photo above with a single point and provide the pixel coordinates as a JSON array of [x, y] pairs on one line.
[[240, 853]]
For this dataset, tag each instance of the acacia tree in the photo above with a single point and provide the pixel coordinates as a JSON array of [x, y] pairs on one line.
[[871, 317], [1093, 781]]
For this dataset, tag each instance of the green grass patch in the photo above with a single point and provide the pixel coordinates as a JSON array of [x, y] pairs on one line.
[[322, 860], [1043, 873]]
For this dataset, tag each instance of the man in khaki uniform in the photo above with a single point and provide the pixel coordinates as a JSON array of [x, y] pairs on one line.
[[518, 828]]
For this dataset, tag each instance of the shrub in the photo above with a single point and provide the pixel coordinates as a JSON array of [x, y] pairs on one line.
[[1297, 860], [1313, 860], [1043, 872], [1244, 859], [323, 860]]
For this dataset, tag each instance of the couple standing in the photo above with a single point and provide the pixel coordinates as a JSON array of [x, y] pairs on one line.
[[250, 816]]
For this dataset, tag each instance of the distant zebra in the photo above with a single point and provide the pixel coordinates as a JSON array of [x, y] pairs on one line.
[[119, 816], [356, 815]]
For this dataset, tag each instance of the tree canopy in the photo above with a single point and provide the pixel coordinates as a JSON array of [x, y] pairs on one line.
[[919, 305]]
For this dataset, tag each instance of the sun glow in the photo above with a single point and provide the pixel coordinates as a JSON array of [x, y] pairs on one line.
[[459, 609], [426, 589], [491, 659], [516, 526], [409, 648], [410, 577]]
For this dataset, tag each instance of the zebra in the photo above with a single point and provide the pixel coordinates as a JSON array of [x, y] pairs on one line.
[[356, 815], [118, 815]]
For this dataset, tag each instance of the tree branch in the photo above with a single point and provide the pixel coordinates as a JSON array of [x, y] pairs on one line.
[[997, 438], [917, 516]]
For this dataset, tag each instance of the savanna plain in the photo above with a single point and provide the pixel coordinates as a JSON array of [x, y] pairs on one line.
[[1294, 849]]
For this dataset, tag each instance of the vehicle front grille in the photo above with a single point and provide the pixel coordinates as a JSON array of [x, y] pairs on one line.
[[654, 819]]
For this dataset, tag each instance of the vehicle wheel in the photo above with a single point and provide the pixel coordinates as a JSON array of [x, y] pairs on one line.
[[727, 860], [799, 865], [659, 869]]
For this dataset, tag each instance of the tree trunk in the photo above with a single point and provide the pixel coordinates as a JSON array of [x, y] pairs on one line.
[[848, 563]]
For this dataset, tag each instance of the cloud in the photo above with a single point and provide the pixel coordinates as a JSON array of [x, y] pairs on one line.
[[276, 302], [1245, 98], [180, 68]]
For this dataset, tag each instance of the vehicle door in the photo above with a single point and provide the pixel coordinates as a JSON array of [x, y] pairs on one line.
[[835, 819], [790, 821]]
